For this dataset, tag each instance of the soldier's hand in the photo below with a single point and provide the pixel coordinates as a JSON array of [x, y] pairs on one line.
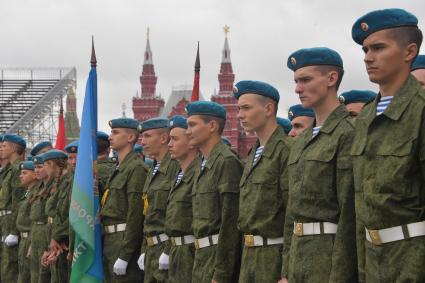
[[283, 280], [164, 262], [55, 247], [43, 259], [141, 262], [69, 257], [11, 240], [120, 267]]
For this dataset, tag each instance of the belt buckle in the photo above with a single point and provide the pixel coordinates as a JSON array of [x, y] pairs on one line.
[[249, 240], [197, 244], [150, 242], [375, 237], [173, 241], [299, 231]]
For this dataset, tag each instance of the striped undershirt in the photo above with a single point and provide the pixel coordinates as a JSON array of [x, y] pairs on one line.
[[316, 130], [204, 162], [155, 169], [258, 153], [179, 177], [383, 104]]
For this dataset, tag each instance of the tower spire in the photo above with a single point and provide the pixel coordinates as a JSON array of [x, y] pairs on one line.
[[148, 52], [225, 58]]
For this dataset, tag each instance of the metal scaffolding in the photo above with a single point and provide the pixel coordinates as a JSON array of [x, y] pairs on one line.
[[30, 101]]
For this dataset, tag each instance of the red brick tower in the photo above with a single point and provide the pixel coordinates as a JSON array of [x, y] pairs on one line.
[[148, 105]]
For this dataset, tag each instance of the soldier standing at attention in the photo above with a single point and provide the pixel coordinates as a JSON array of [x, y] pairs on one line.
[[355, 100], [162, 175], [301, 118], [389, 152], [321, 187], [23, 221], [121, 206], [11, 194], [178, 220], [215, 198], [264, 183], [105, 166], [418, 69]]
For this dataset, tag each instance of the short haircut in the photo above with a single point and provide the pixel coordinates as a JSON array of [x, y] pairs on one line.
[[19, 149], [407, 35], [325, 69], [134, 132], [264, 100], [220, 121], [102, 146]]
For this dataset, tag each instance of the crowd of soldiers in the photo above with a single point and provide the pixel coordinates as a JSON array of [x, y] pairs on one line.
[[335, 194]]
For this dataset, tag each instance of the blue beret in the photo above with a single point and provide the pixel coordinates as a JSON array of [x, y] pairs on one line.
[[313, 57], [15, 139], [178, 121], [207, 108], [38, 159], [54, 154], [102, 136], [285, 124], [298, 110], [256, 87], [379, 20], [354, 96], [124, 123], [1, 138], [40, 146], [138, 148], [27, 165], [154, 123], [72, 147], [29, 157], [419, 63], [226, 141]]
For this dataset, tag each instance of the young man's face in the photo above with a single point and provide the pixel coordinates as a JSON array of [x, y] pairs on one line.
[[40, 172], [299, 124], [420, 76], [197, 130], [179, 143], [311, 86], [383, 57], [120, 138], [252, 113], [27, 177], [8, 148], [153, 140]]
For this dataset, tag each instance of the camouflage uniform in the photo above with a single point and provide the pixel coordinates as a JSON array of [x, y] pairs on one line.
[[262, 206], [122, 204], [155, 194], [178, 223], [3, 171], [389, 172], [215, 213], [321, 190], [105, 168], [11, 194]]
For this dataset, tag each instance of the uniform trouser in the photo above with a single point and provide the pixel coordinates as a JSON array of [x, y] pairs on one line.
[[60, 269], [9, 255], [397, 262], [152, 272], [261, 264], [203, 265], [39, 244], [181, 263], [111, 251], [23, 261]]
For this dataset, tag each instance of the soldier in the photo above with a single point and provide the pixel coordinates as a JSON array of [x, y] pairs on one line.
[[162, 175], [388, 152], [264, 183], [23, 221], [418, 69], [121, 206], [354, 100], [105, 166], [41, 147], [301, 118], [215, 198], [178, 220], [321, 188], [11, 194], [3, 168], [285, 124], [72, 150]]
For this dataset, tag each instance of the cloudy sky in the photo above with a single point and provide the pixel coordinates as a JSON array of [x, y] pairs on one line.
[[57, 33]]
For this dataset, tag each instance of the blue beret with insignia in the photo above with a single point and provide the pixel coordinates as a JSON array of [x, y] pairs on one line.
[[38, 159], [207, 108], [354, 96], [419, 63], [15, 139], [138, 148], [27, 165], [54, 154], [256, 87], [72, 147], [154, 123], [178, 121], [102, 136], [40, 146], [127, 123], [226, 141], [313, 57], [298, 110], [285, 124], [379, 20]]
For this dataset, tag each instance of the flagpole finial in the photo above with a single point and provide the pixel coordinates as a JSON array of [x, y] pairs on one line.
[[226, 29], [93, 60], [197, 62]]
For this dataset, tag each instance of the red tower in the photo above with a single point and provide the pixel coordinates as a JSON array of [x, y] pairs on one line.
[[148, 105]]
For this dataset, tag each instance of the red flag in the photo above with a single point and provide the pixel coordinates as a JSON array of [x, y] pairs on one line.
[[60, 138], [195, 91]]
